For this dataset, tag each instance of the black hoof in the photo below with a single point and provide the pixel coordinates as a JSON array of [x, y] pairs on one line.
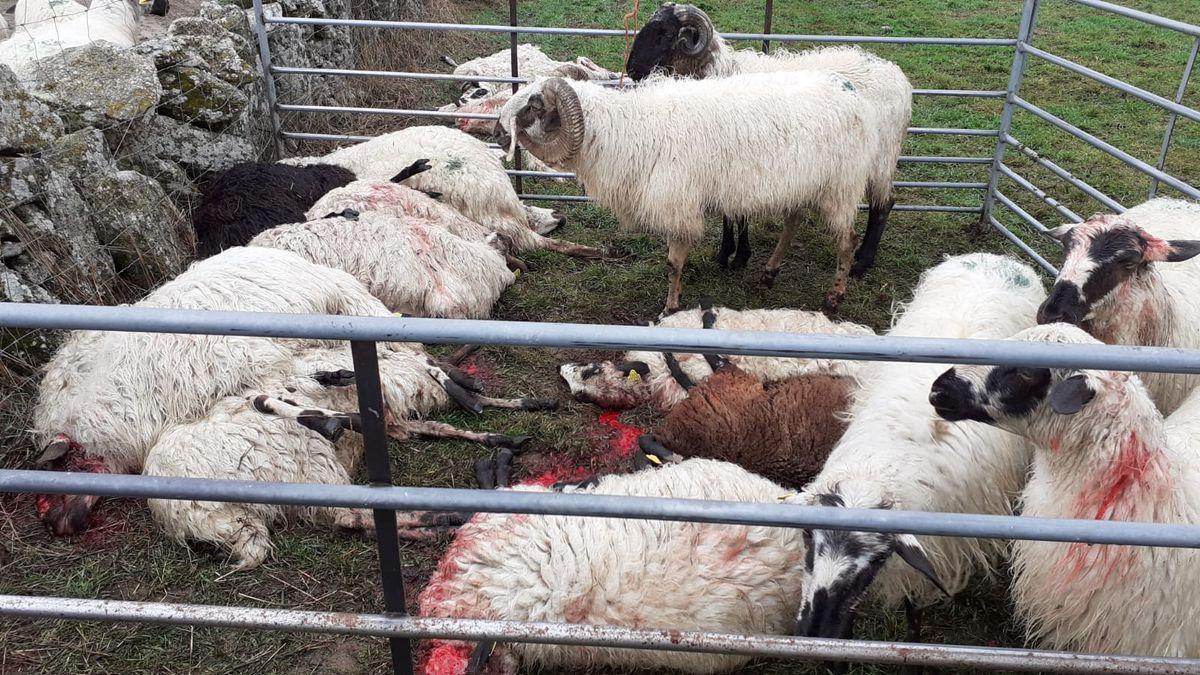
[[539, 404], [485, 473], [504, 462], [767, 278], [559, 217], [330, 428], [462, 378], [462, 397], [334, 378], [419, 166], [617, 251], [739, 262], [504, 441], [861, 266]]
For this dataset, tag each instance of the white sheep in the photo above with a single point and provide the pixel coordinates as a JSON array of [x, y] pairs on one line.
[[1102, 451], [414, 266], [896, 453], [644, 377], [255, 436], [468, 176], [531, 62], [46, 32], [681, 39], [108, 396], [1133, 279], [37, 11], [643, 573], [667, 153]]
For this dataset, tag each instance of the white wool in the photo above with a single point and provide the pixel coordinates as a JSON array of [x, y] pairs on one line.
[[115, 392], [470, 178], [415, 266], [880, 82], [49, 30], [896, 449], [661, 389], [386, 197], [38, 11], [643, 573], [233, 441], [1160, 308], [531, 62]]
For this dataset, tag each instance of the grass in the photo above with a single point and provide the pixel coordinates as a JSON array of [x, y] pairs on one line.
[[126, 558]]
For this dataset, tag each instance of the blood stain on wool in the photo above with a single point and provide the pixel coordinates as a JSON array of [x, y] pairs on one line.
[[447, 658]]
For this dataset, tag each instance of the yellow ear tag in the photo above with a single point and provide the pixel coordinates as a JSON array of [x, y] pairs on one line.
[[398, 315], [653, 459], [634, 376], [517, 273]]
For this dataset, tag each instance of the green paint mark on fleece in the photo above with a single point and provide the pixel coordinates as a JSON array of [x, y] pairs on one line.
[[454, 164]]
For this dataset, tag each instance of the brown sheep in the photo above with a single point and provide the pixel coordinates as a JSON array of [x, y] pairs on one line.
[[781, 431]]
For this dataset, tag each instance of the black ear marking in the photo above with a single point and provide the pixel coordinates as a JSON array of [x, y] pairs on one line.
[[1069, 396], [533, 111], [909, 550], [638, 366], [54, 450], [1183, 249]]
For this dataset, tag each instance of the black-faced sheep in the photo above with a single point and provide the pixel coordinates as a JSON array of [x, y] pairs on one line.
[[664, 155]]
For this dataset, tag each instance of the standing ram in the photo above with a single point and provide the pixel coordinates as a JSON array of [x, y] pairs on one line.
[[664, 155], [681, 39]]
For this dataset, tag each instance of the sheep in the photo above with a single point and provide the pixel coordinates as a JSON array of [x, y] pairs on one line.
[[1115, 282], [1102, 451], [531, 62], [643, 377], [414, 266], [897, 453], [683, 576], [662, 155], [38, 11], [782, 432], [252, 436], [466, 174], [252, 197], [681, 38], [45, 32], [107, 397]]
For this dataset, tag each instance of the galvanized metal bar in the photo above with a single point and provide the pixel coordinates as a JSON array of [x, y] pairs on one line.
[[1024, 182], [1136, 92], [379, 473], [768, 15], [399, 112], [939, 131], [1021, 213], [949, 185], [1025, 248], [614, 32], [518, 158], [596, 336], [1109, 203], [928, 208], [1107, 148], [475, 630], [608, 506], [338, 138], [397, 74], [555, 198], [264, 57], [1144, 17], [1171, 119], [933, 159], [1016, 74], [962, 93]]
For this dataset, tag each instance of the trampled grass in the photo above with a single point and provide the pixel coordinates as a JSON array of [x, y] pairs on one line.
[[126, 558]]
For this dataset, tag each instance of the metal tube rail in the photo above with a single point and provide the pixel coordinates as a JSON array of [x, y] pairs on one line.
[[606, 506], [598, 336], [962, 93], [398, 74], [264, 56], [1152, 19], [1062, 173], [1040, 194], [336, 138], [1025, 248], [947, 185], [942, 131], [1105, 147], [400, 112], [1172, 118], [476, 630], [1136, 92], [1024, 34], [936, 159], [1021, 213], [616, 32]]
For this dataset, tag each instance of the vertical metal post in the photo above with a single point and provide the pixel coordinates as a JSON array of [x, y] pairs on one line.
[[1166, 144], [767, 16], [1024, 36], [512, 46], [264, 57], [379, 473]]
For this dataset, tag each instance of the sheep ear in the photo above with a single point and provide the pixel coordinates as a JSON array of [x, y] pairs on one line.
[[1069, 396], [1060, 233], [640, 367], [911, 552], [1183, 249], [53, 451]]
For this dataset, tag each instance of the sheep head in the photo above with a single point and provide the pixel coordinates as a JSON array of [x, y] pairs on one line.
[[65, 515], [548, 122], [609, 385], [677, 38], [1102, 256]]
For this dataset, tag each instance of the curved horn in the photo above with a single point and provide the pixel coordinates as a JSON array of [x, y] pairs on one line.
[[561, 117], [696, 32], [572, 71]]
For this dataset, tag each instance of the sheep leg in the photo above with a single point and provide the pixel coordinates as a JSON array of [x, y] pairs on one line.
[[743, 245], [334, 378], [681, 378], [864, 258], [330, 424], [410, 525], [441, 430], [727, 244], [847, 238], [767, 279], [456, 391], [912, 617], [574, 250], [519, 403], [676, 256]]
